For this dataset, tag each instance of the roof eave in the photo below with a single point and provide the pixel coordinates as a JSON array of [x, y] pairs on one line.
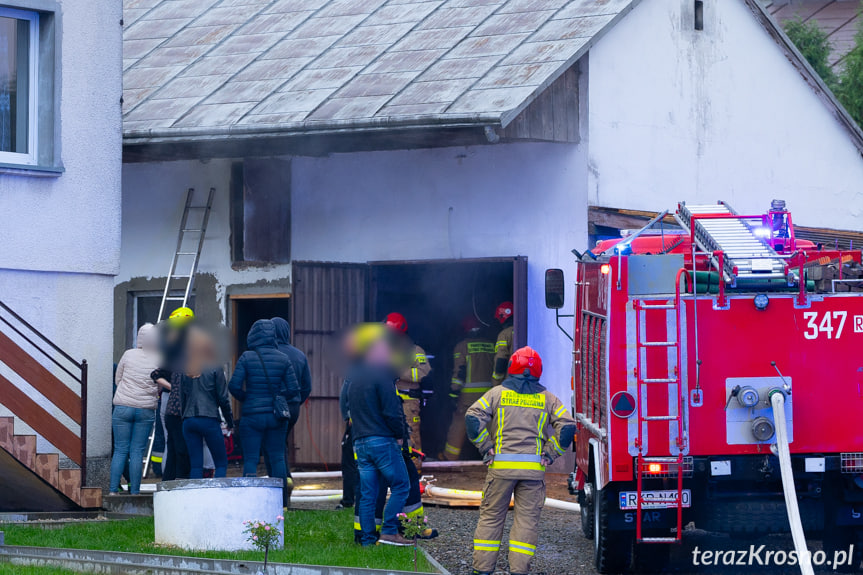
[[809, 74], [310, 128]]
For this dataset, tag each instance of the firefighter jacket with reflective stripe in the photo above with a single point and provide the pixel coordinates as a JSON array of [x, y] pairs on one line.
[[502, 353], [528, 423], [419, 368], [473, 363]]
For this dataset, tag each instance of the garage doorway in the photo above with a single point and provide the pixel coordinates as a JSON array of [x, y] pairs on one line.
[[435, 297], [246, 310]]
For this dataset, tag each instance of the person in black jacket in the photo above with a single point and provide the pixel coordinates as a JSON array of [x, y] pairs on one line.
[[262, 373], [202, 396], [378, 430]]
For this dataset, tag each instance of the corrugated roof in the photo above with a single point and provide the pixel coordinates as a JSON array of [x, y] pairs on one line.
[[840, 19], [199, 67]]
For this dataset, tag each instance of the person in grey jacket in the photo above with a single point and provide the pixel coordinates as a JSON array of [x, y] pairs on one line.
[[134, 408]]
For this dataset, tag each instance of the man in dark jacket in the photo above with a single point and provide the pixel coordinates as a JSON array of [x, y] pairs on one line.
[[262, 373], [378, 428]]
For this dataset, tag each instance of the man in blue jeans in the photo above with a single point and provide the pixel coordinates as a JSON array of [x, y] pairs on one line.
[[378, 428]]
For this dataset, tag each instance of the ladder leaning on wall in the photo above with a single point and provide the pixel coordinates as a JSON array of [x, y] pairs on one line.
[[190, 241]]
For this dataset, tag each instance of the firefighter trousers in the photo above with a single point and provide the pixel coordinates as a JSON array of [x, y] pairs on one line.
[[411, 408], [529, 499], [457, 435]]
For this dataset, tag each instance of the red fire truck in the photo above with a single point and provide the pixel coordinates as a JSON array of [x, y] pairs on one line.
[[684, 332]]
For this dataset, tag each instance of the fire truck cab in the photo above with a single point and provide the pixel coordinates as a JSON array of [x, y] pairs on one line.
[[702, 342]]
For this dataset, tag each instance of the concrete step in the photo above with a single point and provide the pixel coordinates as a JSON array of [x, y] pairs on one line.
[[129, 504]]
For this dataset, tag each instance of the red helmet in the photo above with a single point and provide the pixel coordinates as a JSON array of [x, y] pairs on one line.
[[469, 323], [525, 360], [397, 322], [503, 312]]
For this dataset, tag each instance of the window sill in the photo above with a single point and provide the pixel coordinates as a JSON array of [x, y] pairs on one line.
[[31, 171]]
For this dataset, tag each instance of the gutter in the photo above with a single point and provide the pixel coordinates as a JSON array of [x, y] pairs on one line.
[[311, 128]]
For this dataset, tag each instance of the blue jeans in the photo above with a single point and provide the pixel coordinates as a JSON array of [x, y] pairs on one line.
[[132, 427], [379, 459], [196, 430], [263, 429]]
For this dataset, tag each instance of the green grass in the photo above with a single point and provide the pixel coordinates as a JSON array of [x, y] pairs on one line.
[[311, 538], [9, 569]]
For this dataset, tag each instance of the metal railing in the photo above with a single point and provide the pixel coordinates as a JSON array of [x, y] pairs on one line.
[[76, 370]]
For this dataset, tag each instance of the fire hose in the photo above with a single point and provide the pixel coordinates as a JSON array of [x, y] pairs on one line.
[[777, 400]]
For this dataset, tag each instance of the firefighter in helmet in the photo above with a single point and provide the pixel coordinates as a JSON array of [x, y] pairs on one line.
[[409, 383], [531, 428], [473, 362], [503, 345]]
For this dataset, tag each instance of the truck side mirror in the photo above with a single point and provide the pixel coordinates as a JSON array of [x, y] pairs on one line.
[[554, 288]]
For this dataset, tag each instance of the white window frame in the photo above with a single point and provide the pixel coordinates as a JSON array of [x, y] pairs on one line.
[[30, 158]]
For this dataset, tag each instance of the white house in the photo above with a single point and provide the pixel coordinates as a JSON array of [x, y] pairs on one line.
[[60, 172], [445, 153]]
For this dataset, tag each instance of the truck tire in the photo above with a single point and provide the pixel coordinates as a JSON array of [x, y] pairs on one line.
[[612, 549], [840, 539], [586, 500]]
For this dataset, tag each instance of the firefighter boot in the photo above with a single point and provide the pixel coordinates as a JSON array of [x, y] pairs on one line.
[[475, 572], [529, 499]]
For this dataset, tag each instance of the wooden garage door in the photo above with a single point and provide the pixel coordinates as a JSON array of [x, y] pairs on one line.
[[326, 297]]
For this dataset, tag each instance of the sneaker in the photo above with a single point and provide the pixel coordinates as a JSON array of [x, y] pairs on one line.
[[428, 533], [396, 540]]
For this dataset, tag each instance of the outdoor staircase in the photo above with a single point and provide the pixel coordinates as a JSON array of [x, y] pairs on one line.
[[29, 480]]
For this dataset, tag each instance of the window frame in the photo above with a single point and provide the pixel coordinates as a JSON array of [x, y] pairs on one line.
[[31, 158]]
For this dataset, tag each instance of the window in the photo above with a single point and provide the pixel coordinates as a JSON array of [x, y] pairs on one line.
[[261, 212], [19, 41]]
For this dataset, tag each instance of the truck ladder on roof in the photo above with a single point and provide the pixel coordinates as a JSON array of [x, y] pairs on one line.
[[715, 229]]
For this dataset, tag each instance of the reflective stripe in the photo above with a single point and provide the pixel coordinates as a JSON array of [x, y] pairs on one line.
[[501, 414], [476, 389], [556, 445], [357, 526], [530, 466], [502, 344], [518, 457], [421, 358], [155, 459], [415, 374], [483, 402], [452, 450], [456, 355], [483, 435], [456, 381], [520, 547], [560, 411], [413, 510], [485, 545], [540, 435]]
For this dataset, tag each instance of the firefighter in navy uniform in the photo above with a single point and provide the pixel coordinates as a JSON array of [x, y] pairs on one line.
[[409, 383], [473, 363], [503, 344], [530, 429]]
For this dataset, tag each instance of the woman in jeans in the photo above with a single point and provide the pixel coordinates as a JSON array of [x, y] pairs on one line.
[[134, 408], [261, 373]]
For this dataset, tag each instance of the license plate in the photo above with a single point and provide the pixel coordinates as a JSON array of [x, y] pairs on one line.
[[664, 499]]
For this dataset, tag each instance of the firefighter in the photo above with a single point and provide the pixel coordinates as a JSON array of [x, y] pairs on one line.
[[473, 362], [503, 345], [408, 385], [531, 428]]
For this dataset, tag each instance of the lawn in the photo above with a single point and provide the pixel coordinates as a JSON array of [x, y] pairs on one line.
[[8, 569], [311, 538]]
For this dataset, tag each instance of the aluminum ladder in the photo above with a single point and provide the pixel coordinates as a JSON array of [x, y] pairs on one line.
[[672, 381], [188, 252], [747, 256], [190, 255]]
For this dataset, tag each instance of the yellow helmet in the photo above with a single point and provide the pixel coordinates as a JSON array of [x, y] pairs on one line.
[[181, 315]]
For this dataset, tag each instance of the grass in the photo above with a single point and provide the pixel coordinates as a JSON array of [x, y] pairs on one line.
[[9, 569], [311, 538]]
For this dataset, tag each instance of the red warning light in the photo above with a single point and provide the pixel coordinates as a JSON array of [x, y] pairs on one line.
[[654, 468], [605, 268]]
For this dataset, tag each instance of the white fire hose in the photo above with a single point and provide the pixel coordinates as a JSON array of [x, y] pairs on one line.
[[477, 496], [777, 400]]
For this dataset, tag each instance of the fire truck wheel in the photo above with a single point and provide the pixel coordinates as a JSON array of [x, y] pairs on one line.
[[586, 500], [612, 549]]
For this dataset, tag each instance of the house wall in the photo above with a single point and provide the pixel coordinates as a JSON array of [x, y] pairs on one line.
[[502, 200], [61, 232], [679, 114]]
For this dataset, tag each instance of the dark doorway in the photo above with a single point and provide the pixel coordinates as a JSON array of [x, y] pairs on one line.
[[436, 298], [246, 311]]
